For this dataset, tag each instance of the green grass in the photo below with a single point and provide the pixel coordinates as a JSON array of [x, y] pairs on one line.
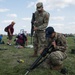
[[10, 66]]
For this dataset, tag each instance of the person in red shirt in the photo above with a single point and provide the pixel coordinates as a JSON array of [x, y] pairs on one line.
[[21, 40], [10, 32]]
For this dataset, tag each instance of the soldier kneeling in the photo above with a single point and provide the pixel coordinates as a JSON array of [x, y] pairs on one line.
[[58, 53]]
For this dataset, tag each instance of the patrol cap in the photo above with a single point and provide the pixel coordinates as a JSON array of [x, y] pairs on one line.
[[39, 5], [49, 31]]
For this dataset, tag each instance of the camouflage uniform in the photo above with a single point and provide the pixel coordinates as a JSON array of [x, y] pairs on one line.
[[58, 54], [39, 35]]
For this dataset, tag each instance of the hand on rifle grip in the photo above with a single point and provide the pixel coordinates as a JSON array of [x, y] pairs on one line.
[[54, 44]]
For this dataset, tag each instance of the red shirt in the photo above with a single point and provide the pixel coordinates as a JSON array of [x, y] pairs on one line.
[[11, 29]]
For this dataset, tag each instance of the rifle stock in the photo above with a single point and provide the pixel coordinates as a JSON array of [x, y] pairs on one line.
[[40, 59]]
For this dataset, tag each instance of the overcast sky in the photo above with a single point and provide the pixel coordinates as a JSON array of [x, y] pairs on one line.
[[62, 14]]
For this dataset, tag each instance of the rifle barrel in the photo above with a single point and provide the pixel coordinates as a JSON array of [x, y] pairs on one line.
[[40, 59]]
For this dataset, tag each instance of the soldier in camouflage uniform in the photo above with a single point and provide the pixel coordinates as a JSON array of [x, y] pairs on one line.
[[58, 54], [40, 24]]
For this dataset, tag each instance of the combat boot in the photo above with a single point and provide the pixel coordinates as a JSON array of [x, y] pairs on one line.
[[35, 54], [64, 71]]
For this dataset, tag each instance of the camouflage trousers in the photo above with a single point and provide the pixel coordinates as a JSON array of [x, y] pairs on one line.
[[55, 59], [39, 40]]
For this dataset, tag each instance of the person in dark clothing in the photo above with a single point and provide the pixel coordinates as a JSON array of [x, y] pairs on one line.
[[10, 31]]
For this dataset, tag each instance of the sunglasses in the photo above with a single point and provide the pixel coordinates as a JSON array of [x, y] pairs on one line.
[[39, 7]]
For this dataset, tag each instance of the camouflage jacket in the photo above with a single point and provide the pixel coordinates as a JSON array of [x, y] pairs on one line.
[[60, 40], [42, 20]]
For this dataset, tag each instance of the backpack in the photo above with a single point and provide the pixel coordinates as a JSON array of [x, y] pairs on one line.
[[6, 29]]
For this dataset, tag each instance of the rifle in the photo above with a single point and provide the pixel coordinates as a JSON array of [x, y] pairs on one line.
[[41, 58], [32, 25]]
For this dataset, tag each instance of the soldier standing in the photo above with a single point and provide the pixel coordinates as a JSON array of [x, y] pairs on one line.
[[40, 24]]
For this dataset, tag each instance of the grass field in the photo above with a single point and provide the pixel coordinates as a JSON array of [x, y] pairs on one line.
[[10, 66]]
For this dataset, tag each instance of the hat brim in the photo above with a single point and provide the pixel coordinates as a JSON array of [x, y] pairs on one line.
[[39, 8], [48, 35]]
